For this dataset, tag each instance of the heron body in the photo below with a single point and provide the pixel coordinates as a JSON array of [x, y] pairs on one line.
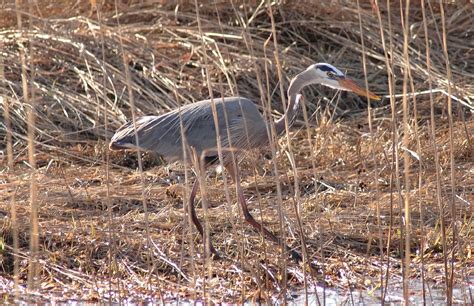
[[241, 127]]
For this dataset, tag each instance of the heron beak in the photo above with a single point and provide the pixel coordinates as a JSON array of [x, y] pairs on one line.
[[352, 86]]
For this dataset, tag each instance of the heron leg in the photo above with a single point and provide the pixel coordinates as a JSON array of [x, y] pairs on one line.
[[251, 220], [195, 219]]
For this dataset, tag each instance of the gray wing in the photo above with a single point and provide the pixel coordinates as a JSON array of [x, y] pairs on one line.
[[246, 129]]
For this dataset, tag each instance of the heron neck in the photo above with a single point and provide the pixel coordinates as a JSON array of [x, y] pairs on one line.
[[296, 85]]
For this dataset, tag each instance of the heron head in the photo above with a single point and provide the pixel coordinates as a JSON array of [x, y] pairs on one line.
[[328, 75]]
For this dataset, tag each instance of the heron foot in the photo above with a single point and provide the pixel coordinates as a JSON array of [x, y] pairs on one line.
[[299, 259], [296, 256], [215, 255]]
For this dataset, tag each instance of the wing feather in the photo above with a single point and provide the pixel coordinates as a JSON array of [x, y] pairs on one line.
[[162, 134]]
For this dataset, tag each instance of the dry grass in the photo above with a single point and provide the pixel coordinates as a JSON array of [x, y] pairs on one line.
[[94, 245]]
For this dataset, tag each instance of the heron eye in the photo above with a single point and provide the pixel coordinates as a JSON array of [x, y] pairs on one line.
[[331, 75]]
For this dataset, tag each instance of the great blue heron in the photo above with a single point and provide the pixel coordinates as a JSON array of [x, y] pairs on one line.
[[240, 125]]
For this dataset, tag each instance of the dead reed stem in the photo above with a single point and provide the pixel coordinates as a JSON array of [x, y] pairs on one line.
[[125, 62], [406, 155], [16, 266], [283, 257], [110, 217], [199, 160], [29, 101], [373, 143], [450, 280]]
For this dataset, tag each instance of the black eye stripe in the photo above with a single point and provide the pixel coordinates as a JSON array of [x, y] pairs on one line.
[[326, 68]]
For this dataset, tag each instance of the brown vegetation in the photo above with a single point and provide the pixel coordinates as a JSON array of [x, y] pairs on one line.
[[98, 241]]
